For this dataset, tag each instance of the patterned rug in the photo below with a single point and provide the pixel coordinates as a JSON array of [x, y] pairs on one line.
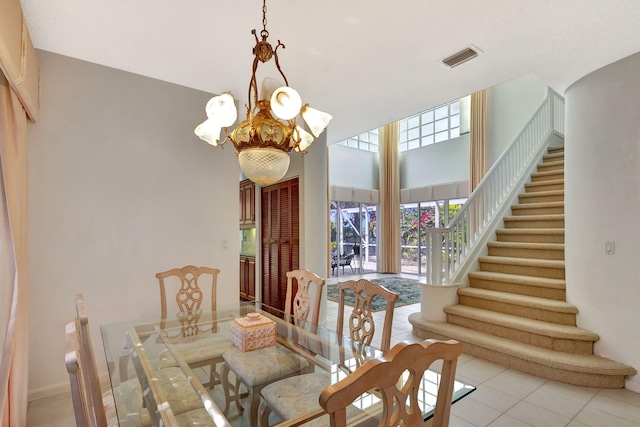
[[408, 289]]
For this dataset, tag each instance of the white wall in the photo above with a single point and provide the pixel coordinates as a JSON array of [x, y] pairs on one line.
[[510, 107], [602, 203], [119, 189], [446, 161], [350, 167]]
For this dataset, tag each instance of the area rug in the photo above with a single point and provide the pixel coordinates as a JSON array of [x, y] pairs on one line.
[[408, 289]]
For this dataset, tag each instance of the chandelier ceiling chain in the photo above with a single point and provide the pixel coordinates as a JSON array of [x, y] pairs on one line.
[[270, 131]]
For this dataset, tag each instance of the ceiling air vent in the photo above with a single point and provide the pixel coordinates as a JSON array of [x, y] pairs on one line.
[[460, 57]]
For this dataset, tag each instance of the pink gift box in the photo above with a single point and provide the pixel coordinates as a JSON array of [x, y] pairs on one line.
[[252, 332]]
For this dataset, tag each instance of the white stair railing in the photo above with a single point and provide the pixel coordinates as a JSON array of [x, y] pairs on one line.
[[449, 248]]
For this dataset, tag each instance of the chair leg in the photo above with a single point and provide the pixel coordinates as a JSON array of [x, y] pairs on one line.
[[265, 411], [254, 403], [226, 386]]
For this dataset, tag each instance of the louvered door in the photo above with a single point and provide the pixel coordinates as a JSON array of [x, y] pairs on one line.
[[280, 239]]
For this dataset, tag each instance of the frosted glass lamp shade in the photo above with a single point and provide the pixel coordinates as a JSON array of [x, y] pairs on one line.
[[305, 138], [209, 131], [222, 108], [286, 103], [263, 165], [315, 119], [269, 85]]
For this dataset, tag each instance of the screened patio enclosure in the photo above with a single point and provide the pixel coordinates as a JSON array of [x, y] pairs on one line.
[[353, 238], [415, 218]]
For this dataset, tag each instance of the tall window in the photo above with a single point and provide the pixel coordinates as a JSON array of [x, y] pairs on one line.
[[415, 219], [367, 141], [432, 126], [353, 238], [438, 124]]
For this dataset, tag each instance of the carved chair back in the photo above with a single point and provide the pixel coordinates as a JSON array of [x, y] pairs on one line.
[[362, 327], [387, 378], [189, 295], [301, 305]]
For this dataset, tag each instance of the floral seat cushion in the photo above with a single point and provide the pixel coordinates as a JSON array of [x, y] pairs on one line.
[[264, 365], [295, 396]]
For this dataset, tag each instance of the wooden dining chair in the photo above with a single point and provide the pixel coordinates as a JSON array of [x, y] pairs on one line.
[[291, 397], [202, 347], [400, 406], [258, 368], [92, 407]]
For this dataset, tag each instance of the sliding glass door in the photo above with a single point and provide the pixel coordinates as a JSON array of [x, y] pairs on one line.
[[415, 219], [353, 238]]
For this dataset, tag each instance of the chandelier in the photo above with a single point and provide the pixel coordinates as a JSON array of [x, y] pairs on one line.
[[270, 131]]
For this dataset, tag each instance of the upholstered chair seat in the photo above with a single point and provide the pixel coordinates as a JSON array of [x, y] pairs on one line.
[[264, 365], [198, 351]]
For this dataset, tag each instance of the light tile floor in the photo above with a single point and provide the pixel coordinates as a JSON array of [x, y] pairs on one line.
[[504, 397]]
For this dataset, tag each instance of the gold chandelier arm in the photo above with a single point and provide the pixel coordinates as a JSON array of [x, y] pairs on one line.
[[253, 86], [275, 54]]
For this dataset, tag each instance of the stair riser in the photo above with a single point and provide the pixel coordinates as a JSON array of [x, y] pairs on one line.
[[543, 187], [551, 177], [520, 210], [551, 273], [542, 198], [581, 379], [518, 310], [527, 253], [547, 168], [553, 157], [564, 345], [556, 149], [530, 238], [514, 288], [534, 223]]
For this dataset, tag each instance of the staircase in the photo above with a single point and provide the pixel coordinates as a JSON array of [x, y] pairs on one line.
[[514, 311]]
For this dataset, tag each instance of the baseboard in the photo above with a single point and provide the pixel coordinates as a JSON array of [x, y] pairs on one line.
[[49, 391], [63, 388]]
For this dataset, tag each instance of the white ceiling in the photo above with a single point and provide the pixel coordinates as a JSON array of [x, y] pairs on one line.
[[367, 62]]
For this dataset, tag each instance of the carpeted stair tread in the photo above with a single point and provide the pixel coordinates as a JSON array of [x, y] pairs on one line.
[[584, 363], [537, 205], [556, 149], [546, 263], [519, 279], [536, 184], [521, 300], [555, 231], [539, 194], [538, 327], [552, 157], [526, 245], [551, 162], [549, 217], [545, 174]]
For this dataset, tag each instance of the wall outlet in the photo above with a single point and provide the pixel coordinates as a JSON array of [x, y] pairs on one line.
[[610, 247]]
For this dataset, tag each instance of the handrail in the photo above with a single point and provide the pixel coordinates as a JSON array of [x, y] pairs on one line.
[[460, 237]]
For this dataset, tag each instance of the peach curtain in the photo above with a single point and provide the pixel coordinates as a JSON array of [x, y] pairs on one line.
[[14, 303], [389, 208], [19, 100], [478, 167]]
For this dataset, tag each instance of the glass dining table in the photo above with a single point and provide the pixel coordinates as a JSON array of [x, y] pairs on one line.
[[138, 353]]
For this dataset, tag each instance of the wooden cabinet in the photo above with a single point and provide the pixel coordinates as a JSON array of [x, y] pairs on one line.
[[247, 202], [247, 278]]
